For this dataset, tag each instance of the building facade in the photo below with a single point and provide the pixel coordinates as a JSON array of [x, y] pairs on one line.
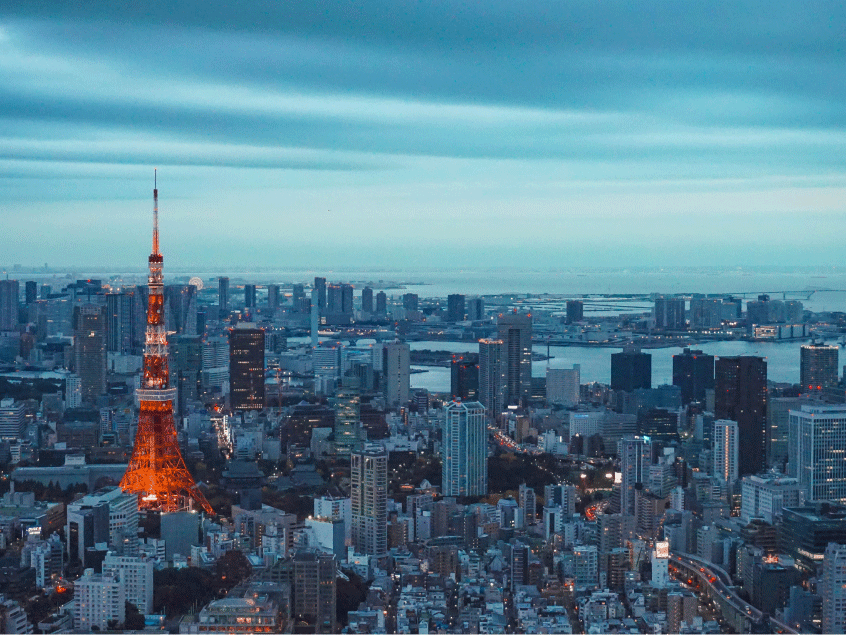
[[464, 450]]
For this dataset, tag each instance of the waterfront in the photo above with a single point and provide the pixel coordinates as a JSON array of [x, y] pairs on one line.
[[782, 361]]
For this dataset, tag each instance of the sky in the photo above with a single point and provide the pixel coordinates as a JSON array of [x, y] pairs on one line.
[[413, 134]]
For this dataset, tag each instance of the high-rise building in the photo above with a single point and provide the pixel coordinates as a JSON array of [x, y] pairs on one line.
[[455, 308], [120, 331], [410, 301], [725, 449], [9, 294], [563, 385], [669, 313], [12, 419], [180, 308], [347, 404], [298, 298], [464, 377], [98, 600], [816, 451], [475, 309], [492, 376], [246, 367], [740, 391], [272, 297], [631, 369], [765, 495], [693, 372], [833, 589], [562, 495], [381, 303], [778, 424], [515, 331], [367, 300], [320, 286], [635, 458], [464, 450], [89, 344], [528, 502], [186, 351], [396, 359], [31, 291], [575, 311], [136, 575], [249, 296], [339, 304], [706, 313], [223, 296], [369, 500], [818, 367], [314, 590]]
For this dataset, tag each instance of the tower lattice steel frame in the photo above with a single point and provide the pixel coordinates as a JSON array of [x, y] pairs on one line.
[[156, 471]]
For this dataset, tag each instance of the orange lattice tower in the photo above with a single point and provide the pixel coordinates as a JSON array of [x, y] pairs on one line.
[[156, 471]]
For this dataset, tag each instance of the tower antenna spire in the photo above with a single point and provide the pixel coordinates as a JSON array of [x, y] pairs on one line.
[[155, 213]]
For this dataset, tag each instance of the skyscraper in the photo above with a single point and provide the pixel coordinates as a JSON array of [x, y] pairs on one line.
[[249, 296], [491, 376], [314, 590], [381, 303], [298, 298], [818, 367], [369, 500], [120, 331], [475, 309], [410, 301], [181, 309], [31, 291], [575, 311], [464, 450], [272, 297], [635, 458], [669, 313], [833, 589], [246, 367], [347, 404], [320, 286], [740, 391], [455, 308], [223, 296], [693, 372], [515, 331], [631, 369], [89, 344], [563, 385], [816, 451], [9, 293], [528, 502], [725, 450], [464, 377], [396, 359], [367, 300]]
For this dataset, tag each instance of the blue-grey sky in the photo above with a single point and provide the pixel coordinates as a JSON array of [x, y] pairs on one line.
[[407, 133]]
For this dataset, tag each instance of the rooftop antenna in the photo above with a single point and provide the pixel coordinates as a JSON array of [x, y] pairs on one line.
[[155, 213]]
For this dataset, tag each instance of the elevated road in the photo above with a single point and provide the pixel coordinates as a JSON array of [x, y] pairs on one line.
[[715, 584]]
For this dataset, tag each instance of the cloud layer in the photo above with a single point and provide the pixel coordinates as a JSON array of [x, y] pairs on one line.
[[535, 133]]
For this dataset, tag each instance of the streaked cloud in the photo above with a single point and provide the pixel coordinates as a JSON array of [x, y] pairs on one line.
[[535, 124]]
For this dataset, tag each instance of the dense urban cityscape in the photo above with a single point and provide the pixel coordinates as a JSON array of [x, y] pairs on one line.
[[458, 317], [218, 456]]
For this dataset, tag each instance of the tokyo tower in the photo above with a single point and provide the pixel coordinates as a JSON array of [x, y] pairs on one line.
[[156, 471]]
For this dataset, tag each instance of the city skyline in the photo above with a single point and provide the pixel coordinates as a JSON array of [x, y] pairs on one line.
[[600, 133]]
